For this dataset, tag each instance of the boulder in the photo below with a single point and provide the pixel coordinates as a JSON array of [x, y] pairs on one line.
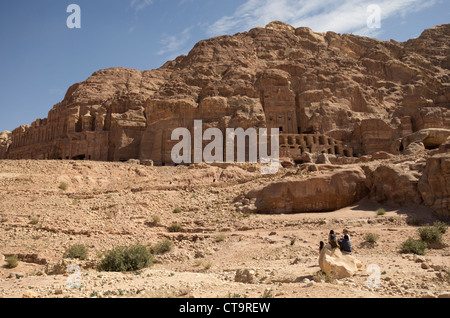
[[332, 261], [147, 162], [323, 193], [287, 162], [323, 159], [29, 294], [431, 138], [393, 184], [382, 155], [434, 185], [414, 148]]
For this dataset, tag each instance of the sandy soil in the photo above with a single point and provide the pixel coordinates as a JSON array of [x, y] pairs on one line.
[[111, 204]]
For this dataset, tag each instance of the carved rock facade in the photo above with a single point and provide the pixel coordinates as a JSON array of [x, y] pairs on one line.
[[326, 92]]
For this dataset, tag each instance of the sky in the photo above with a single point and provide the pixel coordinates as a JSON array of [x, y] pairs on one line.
[[41, 57]]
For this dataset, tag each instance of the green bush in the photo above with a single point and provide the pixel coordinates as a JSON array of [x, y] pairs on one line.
[[34, 220], [381, 212], [12, 261], [441, 226], [371, 238], [177, 210], [162, 247], [126, 259], [412, 246], [175, 227], [155, 220], [267, 294], [78, 251], [430, 234], [63, 186]]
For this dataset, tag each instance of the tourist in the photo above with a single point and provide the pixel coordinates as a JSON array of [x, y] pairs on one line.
[[322, 244], [346, 245], [332, 240], [346, 233]]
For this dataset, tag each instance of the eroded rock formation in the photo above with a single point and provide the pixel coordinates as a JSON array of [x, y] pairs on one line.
[[332, 261], [434, 185], [339, 94], [322, 193], [5, 141]]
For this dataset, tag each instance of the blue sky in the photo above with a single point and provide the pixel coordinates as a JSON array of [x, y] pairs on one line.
[[40, 57]]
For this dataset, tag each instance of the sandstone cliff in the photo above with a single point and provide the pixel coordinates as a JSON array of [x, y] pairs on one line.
[[339, 94]]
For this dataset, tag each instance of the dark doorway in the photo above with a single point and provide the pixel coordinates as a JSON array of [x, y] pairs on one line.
[[79, 157]]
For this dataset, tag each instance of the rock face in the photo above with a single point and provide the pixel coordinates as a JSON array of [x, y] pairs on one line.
[[332, 261], [5, 141], [326, 92], [430, 139], [393, 184], [322, 193], [434, 186]]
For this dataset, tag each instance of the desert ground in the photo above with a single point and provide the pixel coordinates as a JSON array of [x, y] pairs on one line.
[[221, 251]]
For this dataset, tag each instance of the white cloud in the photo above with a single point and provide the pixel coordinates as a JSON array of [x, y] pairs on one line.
[[343, 16], [174, 44], [139, 5]]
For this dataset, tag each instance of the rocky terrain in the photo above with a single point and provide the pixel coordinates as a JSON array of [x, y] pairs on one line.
[[364, 144], [222, 250]]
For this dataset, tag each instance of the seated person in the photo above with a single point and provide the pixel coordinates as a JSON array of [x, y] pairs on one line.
[[345, 244], [346, 233], [332, 240]]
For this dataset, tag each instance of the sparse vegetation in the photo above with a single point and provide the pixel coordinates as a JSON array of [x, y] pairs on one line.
[[63, 186], [326, 277], [236, 295], [381, 211], [177, 210], [371, 238], [34, 220], [175, 227], [293, 240], [207, 265], [197, 263], [267, 294], [441, 226], [220, 237], [78, 251], [154, 221], [430, 234], [412, 246], [162, 247], [94, 294], [12, 261], [110, 215], [126, 259]]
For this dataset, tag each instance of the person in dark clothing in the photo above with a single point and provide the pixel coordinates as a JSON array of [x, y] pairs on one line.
[[322, 244], [345, 244]]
